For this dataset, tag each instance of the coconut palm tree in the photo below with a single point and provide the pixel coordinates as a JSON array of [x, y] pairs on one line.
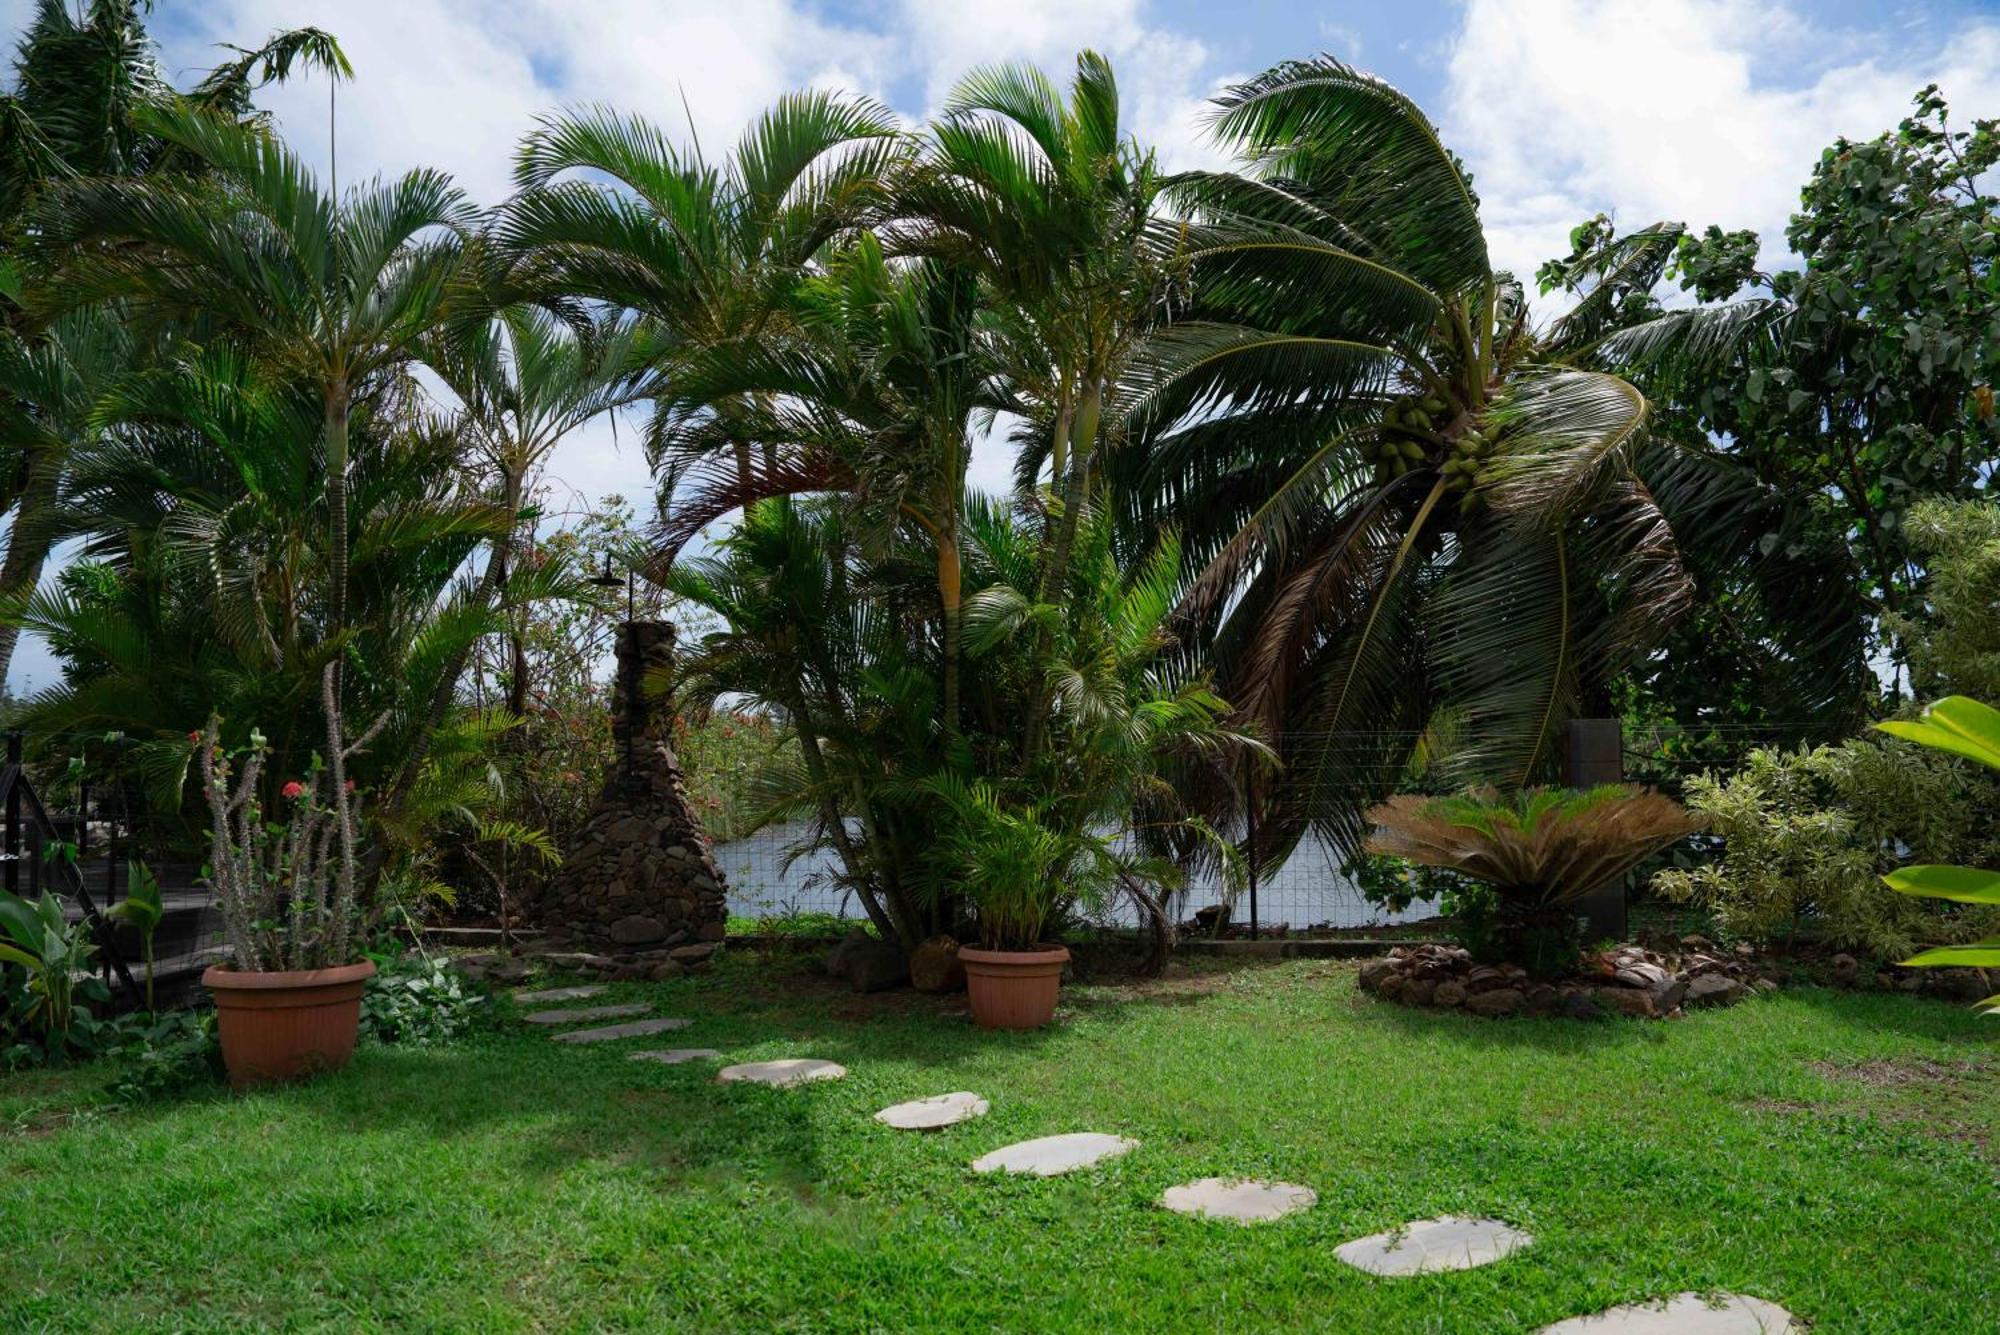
[[1401, 501]]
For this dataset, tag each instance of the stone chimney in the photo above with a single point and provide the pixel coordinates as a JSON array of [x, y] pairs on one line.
[[638, 876]]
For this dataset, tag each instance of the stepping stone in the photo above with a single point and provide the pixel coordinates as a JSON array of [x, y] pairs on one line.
[[1684, 1314], [1245, 1202], [631, 1029], [556, 994], [1433, 1244], [1055, 1154], [578, 1014], [782, 1073], [940, 1110], [675, 1056]]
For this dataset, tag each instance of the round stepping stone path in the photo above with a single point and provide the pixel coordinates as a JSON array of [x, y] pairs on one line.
[[548, 994], [1448, 1243], [783, 1073], [675, 1056], [1684, 1314], [630, 1029], [578, 1014], [934, 1113], [1055, 1154], [1244, 1202]]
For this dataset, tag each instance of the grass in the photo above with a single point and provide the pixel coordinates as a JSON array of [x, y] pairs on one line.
[[1827, 1151]]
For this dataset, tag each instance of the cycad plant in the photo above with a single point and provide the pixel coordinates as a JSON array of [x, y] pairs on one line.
[[1540, 850], [1962, 727], [1401, 500]]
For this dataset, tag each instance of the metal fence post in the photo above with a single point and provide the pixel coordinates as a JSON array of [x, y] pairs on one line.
[[13, 831]]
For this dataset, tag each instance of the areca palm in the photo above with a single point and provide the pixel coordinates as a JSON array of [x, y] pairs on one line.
[[610, 209], [524, 380], [206, 532], [1050, 202], [78, 81], [1416, 505], [49, 388], [337, 292], [875, 392]]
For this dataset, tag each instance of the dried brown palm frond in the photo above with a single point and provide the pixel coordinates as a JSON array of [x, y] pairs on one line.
[[1545, 847]]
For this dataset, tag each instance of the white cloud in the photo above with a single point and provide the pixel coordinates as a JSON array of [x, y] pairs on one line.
[[1692, 110]]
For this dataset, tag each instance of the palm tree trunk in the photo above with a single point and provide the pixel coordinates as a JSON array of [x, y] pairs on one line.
[[836, 826], [1083, 451], [28, 544], [949, 576], [338, 405]]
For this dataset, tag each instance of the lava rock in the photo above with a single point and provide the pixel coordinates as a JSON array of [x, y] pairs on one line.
[[1496, 1001], [935, 968]]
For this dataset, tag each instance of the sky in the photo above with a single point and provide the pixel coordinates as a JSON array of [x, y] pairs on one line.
[[1703, 111]]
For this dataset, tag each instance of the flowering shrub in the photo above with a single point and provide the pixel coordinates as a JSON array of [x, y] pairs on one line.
[[286, 889]]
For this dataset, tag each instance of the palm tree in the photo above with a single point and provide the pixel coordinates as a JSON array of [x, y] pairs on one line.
[[78, 80], [1054, 208], [338, 291], [1402, 502], [524, 381], [707, 255], [49, 389], [875, 393], [201, 588]]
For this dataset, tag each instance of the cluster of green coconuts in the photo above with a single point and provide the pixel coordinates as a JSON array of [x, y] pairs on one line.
[[1412, 433]]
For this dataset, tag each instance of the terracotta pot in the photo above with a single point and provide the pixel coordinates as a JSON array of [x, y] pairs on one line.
[[1013, 989], [280, 1026]]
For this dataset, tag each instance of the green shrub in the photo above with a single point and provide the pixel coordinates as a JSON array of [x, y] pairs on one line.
[[1807, 835], [420, 1003]]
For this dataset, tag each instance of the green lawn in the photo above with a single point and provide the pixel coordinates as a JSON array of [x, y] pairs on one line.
[[1830, 1152]]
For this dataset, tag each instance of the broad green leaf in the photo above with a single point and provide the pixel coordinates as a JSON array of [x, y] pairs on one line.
[[1982, 956], [1968, 885], [1957, 724]]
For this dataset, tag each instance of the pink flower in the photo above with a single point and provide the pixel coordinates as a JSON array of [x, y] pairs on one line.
[[293, 790], [350, 785]]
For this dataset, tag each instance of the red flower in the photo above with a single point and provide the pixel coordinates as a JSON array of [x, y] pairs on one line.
[[195, 736], [350, 785], [293, 790]]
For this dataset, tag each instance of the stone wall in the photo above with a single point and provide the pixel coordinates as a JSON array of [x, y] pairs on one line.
[[638, 876]]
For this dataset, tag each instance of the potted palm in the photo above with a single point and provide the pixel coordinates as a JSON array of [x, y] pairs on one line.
[[1539, 852], [1013, 869], [288, 1004]]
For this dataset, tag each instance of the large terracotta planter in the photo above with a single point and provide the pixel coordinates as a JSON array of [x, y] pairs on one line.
[[1013, 989], [281, 1026]]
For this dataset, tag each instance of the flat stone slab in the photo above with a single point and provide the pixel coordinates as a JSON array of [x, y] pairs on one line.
[[675, 1056], [1245, 1202], [630, 1029], [1448, 1243], [784, 1072], [1055, 1154], [1684, 1314], [578, 1014], [557, 994], [939, 1110]]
